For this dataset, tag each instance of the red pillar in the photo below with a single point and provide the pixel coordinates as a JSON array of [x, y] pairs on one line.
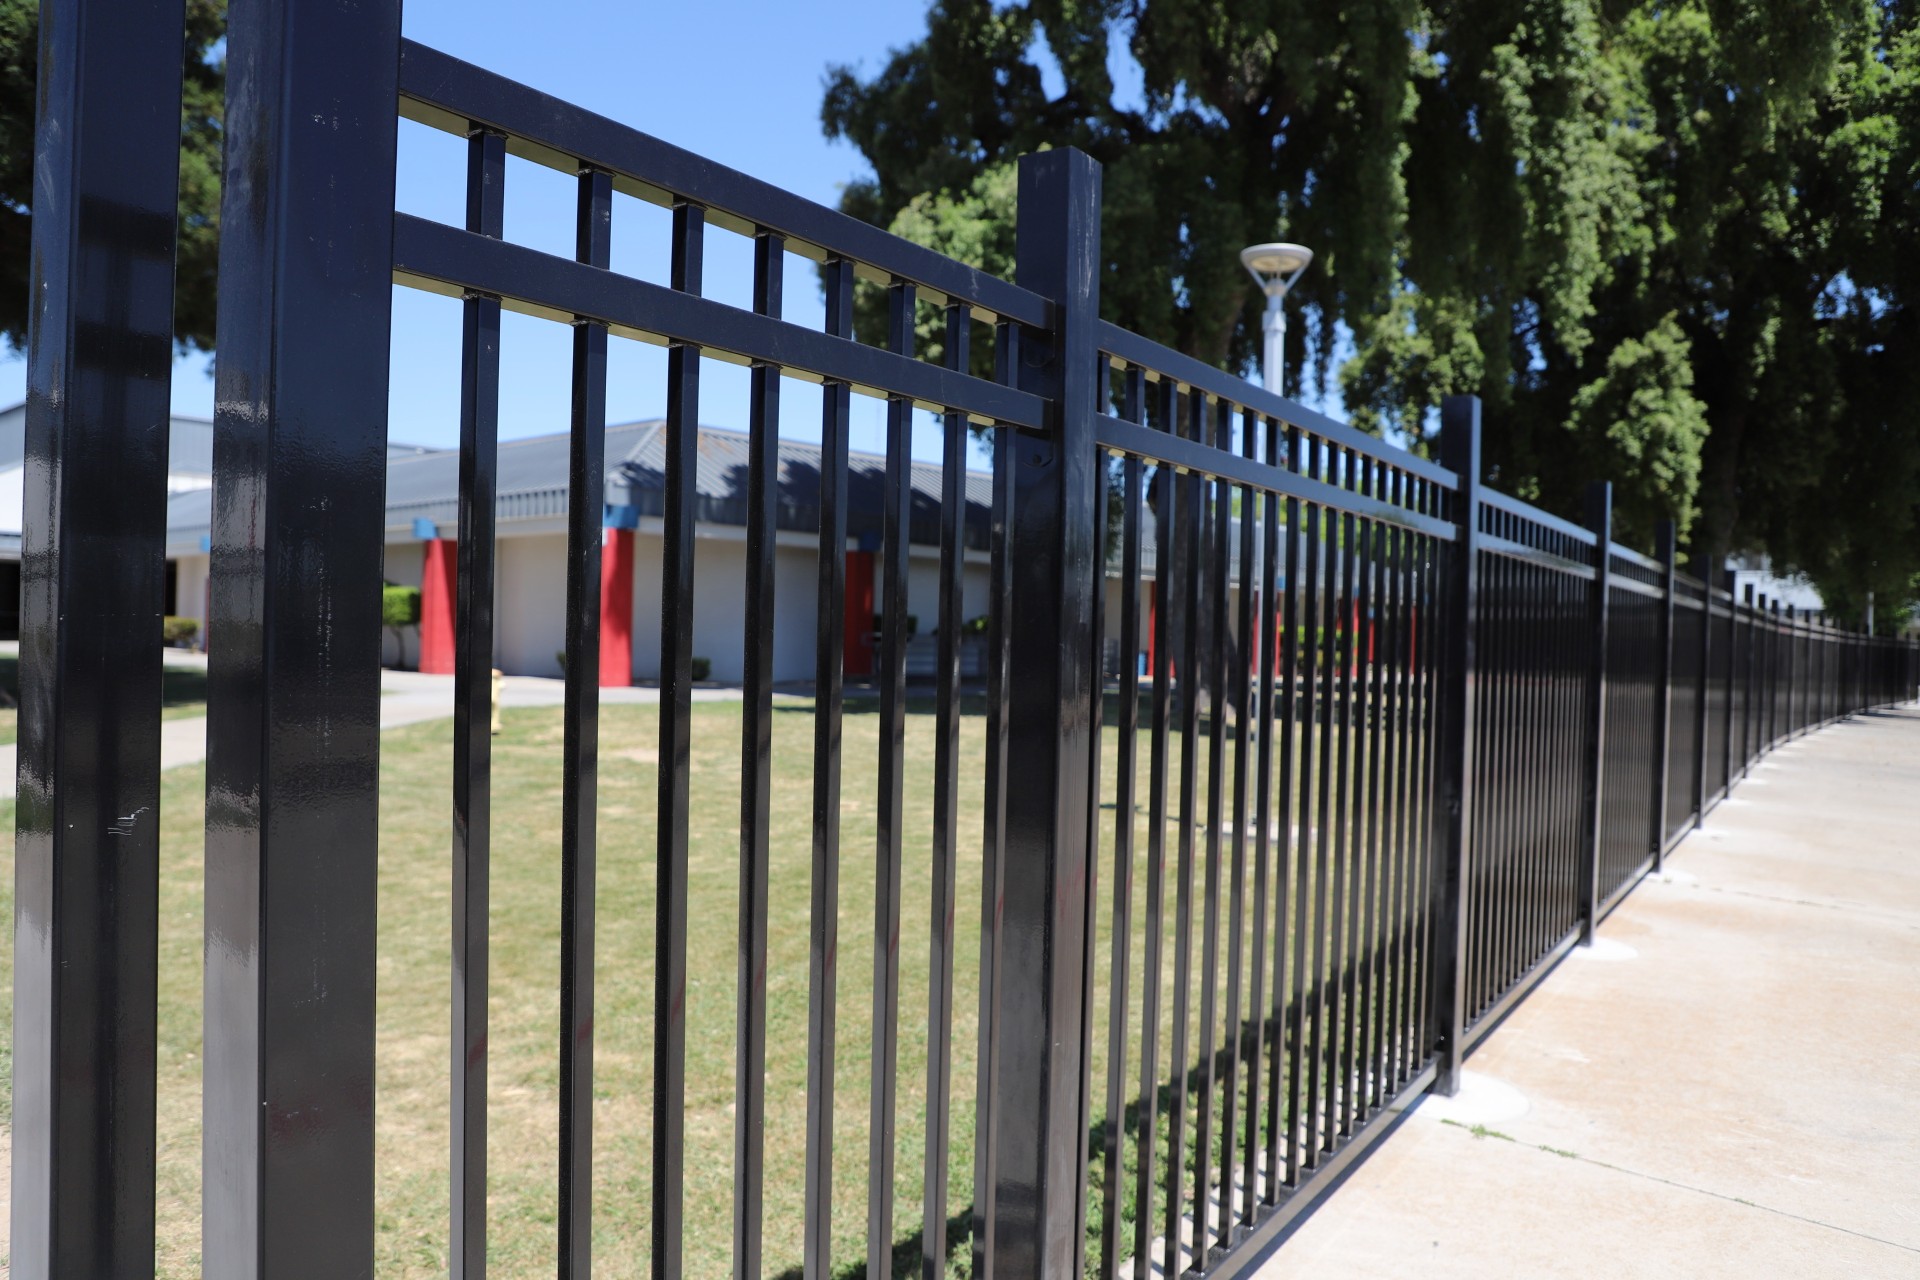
[[1153, 624], [858, 646], [616, 608], [436, 604], [1254, 639]]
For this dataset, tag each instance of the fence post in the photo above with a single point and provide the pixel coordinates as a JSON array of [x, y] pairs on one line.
[[1600, 521], [99, 361], [1733, 640], [306, 262], [1666, 538], [1703, 570], [1039, 1105], [1749, 740], [1822, 641], [1459, 453], [1793, 672], [1774, 645]]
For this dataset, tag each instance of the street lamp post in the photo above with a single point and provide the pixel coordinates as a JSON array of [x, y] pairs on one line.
[[1275, 268]]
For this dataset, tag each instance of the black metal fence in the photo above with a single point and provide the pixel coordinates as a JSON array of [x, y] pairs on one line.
[[1406, 739]]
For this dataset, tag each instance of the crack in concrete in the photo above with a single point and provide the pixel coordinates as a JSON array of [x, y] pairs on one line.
[[1851, 908], [1478, 1132]]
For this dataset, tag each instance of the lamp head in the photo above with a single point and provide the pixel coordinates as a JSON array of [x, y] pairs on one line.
[[1275, 267]]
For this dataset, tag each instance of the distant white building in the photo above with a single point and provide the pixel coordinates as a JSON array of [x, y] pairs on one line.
[[1757, 571], [189, 469], [531, 580]]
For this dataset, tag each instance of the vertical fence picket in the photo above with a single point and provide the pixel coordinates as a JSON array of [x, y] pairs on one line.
[[1592, 830], [1114, 1135], [756, 773], [823, 936], [957, 347], [682, 431], [889, 834], [473, 720], [1268, 858], [579, 840], [1322, 592], [1342, 900], [1296, 756], [1234, 1042], [1212, 673], [1185, 498], [1665, 546], [1146, 1179]]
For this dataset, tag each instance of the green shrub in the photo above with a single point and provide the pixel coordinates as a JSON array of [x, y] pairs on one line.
[[178, 632], [702, 668], [399, 609], [399, 606]]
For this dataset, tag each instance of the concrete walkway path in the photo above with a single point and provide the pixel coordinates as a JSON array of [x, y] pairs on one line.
[[408, 697], [1727, 1085]]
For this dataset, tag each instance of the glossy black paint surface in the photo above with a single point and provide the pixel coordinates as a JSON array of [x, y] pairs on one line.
[[756, 775], [890, 800], [823, 930], [580, 740], [1039, 1119], [1599, 616], [1408, 737], [293, 735], [957, 348], [1460, 451], [472, 722], [686, 275], [1666, 546], [100, 332]]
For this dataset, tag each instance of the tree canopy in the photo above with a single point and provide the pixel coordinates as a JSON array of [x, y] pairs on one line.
[[203, 103], [1667, 243]]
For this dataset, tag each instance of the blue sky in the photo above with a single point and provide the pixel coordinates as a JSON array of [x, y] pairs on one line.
[[740, 83]]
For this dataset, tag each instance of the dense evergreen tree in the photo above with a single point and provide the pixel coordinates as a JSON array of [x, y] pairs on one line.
[[203, 102], [1666, 242]]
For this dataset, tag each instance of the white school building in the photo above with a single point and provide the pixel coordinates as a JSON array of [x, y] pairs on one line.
[[531, 579], [533, 493]]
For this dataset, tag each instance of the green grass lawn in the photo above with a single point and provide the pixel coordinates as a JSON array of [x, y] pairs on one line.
[[183, 694], [414, 1011]]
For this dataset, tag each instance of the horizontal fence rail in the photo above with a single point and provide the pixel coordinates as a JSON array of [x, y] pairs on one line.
[[1106, 963]]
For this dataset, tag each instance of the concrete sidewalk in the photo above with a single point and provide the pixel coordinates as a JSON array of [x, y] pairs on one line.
[[1728, 1084]]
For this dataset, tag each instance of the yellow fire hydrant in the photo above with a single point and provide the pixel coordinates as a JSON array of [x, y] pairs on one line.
[[498, 680]]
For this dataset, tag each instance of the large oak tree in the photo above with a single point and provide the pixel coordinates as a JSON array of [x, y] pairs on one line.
[[203, 102], [1666, 242]]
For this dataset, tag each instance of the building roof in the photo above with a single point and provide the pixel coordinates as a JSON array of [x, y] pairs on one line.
[[189, 444], [534, 484]]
